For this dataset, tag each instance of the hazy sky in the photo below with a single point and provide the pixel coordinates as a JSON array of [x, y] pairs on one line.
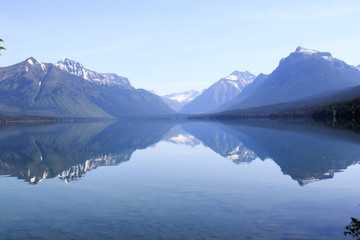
[[170, 46]]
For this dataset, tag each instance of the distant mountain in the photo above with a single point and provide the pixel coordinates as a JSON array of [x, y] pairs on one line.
[[247, 92], [67, 89], [78, 69], [302, 74], [222, 91], [177, 100]]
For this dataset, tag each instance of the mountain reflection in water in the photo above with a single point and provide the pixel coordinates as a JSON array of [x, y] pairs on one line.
[[307, 153], [70, 150]]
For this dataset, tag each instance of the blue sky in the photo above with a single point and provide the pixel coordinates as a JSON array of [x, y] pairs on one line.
[[171, 46]]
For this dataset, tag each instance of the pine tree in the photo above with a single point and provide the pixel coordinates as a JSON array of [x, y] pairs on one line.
[[2, 48]]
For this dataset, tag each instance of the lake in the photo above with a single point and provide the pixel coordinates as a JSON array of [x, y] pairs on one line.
[[178, 180]]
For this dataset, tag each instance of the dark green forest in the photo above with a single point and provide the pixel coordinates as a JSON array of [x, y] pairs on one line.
[[349, 109]]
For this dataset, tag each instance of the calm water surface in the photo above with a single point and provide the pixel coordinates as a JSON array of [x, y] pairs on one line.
[[167, 180]]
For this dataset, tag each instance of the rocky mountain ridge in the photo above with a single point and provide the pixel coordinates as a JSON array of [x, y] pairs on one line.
[[67, 89]]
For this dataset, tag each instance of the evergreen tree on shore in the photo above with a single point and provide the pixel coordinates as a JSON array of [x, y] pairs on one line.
[[2, 48]]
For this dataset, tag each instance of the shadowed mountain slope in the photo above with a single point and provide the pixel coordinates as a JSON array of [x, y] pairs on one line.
[[35, 88]]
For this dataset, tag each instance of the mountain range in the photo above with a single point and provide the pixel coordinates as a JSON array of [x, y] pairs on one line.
[[222, 91], [78, 69], [303, 83], [305, 73], [67, 89]]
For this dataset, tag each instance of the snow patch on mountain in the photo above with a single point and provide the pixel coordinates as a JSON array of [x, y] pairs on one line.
[[177, 100], [232, 77], [328, 58], [185, 97], [239, 79], [305, 50], [30, 61], [234, 84], [79, 70], [325, 55], [34, 62]]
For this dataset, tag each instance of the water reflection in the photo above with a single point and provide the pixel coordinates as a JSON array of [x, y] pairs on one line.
[[70, 150], [305, 152], [222, 140]]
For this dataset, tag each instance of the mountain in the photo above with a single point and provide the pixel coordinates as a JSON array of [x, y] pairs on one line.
[[302, 74], [67, 89], [247, 92], [177, 100], [78, 69], [222, 91]]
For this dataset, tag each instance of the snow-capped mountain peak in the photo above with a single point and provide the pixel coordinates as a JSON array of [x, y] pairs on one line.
[[186, 96], [72, 67], [79, 70], [239, 79], [305, 50], [177, 100], [232, 77], [310, 52], [30, 62], [222, 91]]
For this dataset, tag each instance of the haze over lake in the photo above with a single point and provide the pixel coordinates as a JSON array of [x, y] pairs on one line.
[[178, 180]]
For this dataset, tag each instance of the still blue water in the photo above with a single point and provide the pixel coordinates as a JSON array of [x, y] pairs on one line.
[[169, 180]]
